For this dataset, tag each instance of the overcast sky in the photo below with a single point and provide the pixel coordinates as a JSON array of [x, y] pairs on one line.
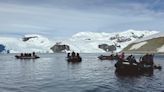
[[63, 18]]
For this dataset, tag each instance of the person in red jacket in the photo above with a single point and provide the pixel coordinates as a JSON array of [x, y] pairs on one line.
[[122, 56]]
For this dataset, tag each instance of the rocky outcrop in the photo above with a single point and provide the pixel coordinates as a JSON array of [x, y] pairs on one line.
[[2, 48], [28, 38], [107, 47], [123, 39], [60, 48]]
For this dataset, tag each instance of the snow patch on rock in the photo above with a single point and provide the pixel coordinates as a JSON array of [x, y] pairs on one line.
[[161, 49], [137, 46]]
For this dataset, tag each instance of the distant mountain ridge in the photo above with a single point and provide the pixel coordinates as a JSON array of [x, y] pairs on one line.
[[83, 42]]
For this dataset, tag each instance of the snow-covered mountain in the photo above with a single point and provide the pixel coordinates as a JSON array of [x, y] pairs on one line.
[[88, 41], [150, 44], [35, 43], [84, 42]]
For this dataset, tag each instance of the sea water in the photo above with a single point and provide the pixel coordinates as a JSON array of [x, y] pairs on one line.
[[52, 73]]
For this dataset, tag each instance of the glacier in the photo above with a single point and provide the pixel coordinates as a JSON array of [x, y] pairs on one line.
[[82, 42]]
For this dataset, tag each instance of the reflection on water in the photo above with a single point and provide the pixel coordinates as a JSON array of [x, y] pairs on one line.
[[52, 73]]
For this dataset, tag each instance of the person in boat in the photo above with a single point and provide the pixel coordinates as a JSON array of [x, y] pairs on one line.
[[29, 54], [112, 56], [74, 57], [122, 56], [150, 59], [131, 59], [120, 59], [140, 59], [116, 56], [33, 54], [24, 54], [21, 55], [68, 55], [147, 59], [144, 59], [73, 54], [77, 55]]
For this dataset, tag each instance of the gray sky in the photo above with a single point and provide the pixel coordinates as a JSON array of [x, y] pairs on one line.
[[63, 18]]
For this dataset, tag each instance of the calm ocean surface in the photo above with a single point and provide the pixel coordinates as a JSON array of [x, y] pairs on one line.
[[52, 73]]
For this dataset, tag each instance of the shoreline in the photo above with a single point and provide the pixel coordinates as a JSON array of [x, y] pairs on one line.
[[143, 52], [126, 52]]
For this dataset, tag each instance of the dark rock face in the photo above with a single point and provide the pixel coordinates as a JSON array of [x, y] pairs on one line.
[[107, 47], [60, 48], [138, 37], [28, 38], [123, 39], [2, 48]]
